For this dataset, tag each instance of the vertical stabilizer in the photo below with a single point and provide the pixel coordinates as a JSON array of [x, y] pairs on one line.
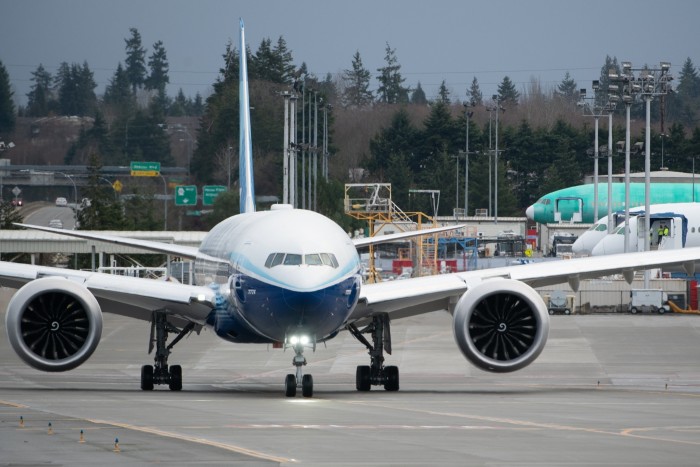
[[245, 167]]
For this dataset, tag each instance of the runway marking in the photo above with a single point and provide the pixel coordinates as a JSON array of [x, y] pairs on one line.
[[12, 404], [194, 439], [539, 425]]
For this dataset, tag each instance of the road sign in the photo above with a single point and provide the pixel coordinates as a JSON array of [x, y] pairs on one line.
[[210, 192], [145, 169], [117, 185], [16, 191], [186, 195]]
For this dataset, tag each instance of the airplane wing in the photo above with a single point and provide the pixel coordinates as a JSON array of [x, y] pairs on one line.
[[359, 242], [410, 297], [158, 247], [128, 296]]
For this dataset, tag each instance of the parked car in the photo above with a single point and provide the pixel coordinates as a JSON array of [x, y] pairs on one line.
[[61, 201], [56, 223]]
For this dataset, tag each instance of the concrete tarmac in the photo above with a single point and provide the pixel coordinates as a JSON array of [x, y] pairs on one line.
[[610, 390]]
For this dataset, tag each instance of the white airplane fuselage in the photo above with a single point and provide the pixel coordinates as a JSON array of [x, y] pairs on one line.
[[289, 271], [681, 219]]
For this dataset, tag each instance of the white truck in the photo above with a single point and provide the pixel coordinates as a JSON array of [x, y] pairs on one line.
[[651, 300]]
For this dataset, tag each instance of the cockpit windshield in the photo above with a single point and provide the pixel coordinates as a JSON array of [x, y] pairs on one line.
[[294, 259]]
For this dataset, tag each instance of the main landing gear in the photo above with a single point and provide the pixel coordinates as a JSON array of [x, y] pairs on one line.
[[376, 373], [160, 373], [292, 381]]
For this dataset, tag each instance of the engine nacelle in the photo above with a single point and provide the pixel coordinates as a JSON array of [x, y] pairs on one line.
[[53, 323], [501, 325]]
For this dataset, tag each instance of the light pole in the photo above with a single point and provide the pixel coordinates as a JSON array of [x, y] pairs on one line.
[[596, 112], [496, 98], [467, 115], [165, 202]]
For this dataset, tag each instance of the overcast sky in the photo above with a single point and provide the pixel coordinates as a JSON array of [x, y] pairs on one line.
[[451, 40]]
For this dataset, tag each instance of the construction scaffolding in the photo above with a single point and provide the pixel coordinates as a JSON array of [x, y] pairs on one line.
[[372, 202]]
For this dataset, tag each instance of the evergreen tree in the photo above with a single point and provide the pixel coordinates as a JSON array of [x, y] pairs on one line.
[[474, 93], [418, 95], [76, 89], [92, 142], [7, 106], [357, 92], [158, 65], [444, 93], [180, 105], [135, 60], [568, 89], [283, 63], [685, 104], [398, 138], [507, 93], [118, 93], [391, 89], [99, 209], [38, 99], [9, 215]]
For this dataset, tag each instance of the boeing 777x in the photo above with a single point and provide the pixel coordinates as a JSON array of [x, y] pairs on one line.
[[289, 277]]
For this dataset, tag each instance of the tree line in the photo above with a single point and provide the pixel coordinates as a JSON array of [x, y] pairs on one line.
[[393, 132]]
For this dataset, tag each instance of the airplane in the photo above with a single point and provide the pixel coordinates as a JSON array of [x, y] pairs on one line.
[[681, 219], [291, 278], [575, 204], [585, 243]]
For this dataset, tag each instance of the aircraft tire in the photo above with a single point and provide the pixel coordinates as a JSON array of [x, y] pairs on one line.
[[147, 377], [290, 385], [362, 376], [307, 386], [175, 378], [392, 378]]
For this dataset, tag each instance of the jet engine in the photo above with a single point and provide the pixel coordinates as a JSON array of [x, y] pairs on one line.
[[53, 323], [501, 325]]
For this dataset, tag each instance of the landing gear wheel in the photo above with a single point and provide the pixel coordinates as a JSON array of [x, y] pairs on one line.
[[362, 378], [290, 386], [392, 378], [175, 378], [147, 378], [307, 386]]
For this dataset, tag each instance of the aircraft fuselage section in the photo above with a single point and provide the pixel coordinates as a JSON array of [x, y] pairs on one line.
[[285, 271]]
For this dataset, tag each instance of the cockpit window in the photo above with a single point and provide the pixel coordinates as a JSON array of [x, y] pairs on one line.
[[601, 227], [292, 259]]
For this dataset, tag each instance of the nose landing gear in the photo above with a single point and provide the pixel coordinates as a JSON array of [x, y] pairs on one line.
[[293, 381]]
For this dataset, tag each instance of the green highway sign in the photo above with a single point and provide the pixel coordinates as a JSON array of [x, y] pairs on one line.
[[186, 195], [210, 192], [145, 169]]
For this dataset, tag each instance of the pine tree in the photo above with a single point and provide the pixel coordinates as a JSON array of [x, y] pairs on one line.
[[444, 93], [283, 62], [9, 216], [76, 89], [474, 93], [135, 60], [7, 106], [357, 80], [99, 210], [38, 99], [158, 64], [507, 93], [118, 94], [391, 89], [686, 102], [568, 89], [418, 95]]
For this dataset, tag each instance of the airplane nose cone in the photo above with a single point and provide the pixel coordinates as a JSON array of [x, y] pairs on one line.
[[530, 213], [578, 247]]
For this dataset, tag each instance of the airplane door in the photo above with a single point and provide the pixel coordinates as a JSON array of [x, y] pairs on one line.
[[568, 209]]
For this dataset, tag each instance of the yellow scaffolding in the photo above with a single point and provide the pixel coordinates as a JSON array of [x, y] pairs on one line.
[[372, 202]]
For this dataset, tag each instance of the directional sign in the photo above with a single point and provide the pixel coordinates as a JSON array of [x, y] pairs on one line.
[[210, 192], [145, 169], [186, 195]]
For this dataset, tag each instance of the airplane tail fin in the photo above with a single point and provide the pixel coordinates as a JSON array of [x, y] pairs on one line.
[[246, 186]]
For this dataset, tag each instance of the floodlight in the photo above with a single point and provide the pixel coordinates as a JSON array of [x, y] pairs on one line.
[[665, 66], [596, 85]]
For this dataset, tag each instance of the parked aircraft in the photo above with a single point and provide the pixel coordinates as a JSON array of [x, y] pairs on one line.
[[590, 238], [681, 219], [290, 278], [575, 204]]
